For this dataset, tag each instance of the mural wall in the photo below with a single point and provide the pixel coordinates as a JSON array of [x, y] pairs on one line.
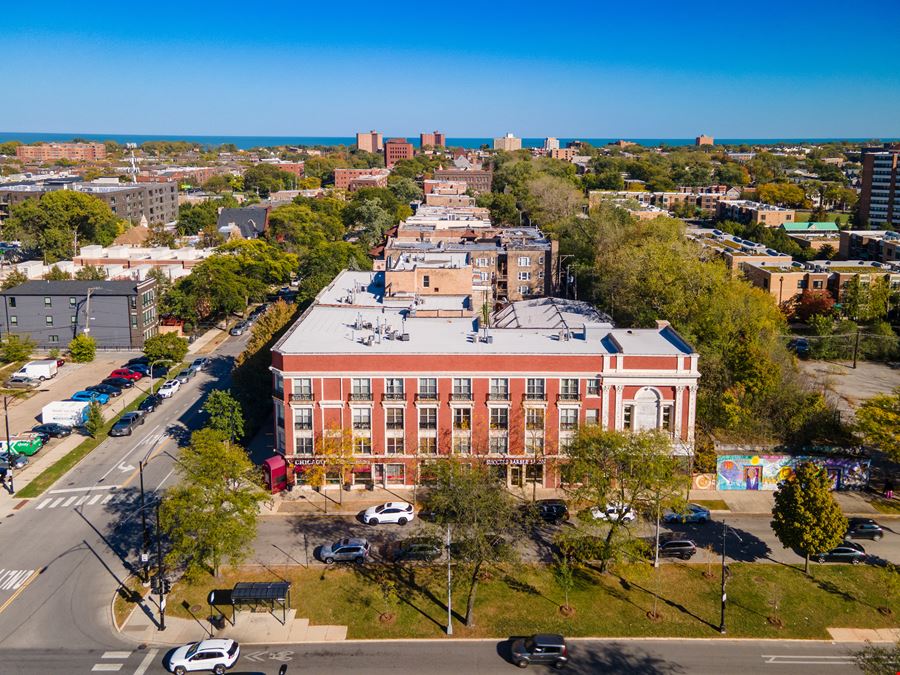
[[764, 472]]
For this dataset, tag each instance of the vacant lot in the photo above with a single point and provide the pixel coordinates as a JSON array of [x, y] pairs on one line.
[[848, 387]]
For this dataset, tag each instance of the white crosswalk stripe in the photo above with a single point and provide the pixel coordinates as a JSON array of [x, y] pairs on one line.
[[69, 501], [111, 667], [74, 501], [10, 580]]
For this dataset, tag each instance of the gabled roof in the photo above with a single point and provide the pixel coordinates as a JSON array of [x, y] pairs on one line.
[[252, 221]]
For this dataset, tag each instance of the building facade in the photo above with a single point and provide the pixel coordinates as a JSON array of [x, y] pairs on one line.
[[435, 139], [49, 152], [344, 178], [745, 211], [702, 140], [396, 390], [876, 245], [879, 199], [370, 141], [476, 180], [117, 314], [396, 149], [508, 143]]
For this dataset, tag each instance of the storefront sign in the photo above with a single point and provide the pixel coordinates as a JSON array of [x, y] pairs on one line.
[[514, 460]]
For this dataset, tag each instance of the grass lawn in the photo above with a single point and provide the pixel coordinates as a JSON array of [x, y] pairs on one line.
[[886, 505], [803, 216], [126, 597], [712, 504], [765, 601]]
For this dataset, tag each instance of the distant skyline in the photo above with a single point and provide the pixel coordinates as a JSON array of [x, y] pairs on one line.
[[591, 69]]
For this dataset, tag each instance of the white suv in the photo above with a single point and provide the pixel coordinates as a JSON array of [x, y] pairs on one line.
[[392, 512], [169, 388], [216, 656], [613, 513]]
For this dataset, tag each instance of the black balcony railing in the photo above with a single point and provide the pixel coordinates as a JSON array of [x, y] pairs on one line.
[[362, 425], [498, 396], [361, 396], [570, 396], [302, 397], [535, 396], [427, 396], [394, 396], [461, 396]]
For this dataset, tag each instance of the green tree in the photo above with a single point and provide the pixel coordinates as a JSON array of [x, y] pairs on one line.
[[783, 194], [478, 510], [210, 516], [502, 207], [564, 576], [167, 347], [225, 414], [94, 421], [16, 348], [405, 189], [91, 273], [266, 178], [83, 348], [56, 274], [159, 235], [13, 279], [878, 423], [874, 659], [805, 516]]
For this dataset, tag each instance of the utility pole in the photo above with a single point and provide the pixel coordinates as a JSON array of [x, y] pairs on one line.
[[9, 452], [87, 317], [855, 348], [145, 546], [160, 571], [449, 587], [724, 596]]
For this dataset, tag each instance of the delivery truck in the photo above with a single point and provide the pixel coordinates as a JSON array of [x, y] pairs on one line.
[[24, 444], [68, 413], [40, 370]]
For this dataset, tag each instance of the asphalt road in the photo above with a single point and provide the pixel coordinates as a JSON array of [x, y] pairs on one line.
[[65, 553], [447, 657]]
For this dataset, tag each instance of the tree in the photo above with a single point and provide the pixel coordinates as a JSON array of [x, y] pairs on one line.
[[805, 516], [225, 414], [166, 347], [159, 235], [13, 279], [91, 273], [56, 274], [16, 348], [405, 189], [266, 178], [878, 422], [210, 517], [633, 470], [502, 207], [551, 200], [783, 194], [564, 576], [811, 303], [877, 660], [469, 499], [83, 348], [94, 421]]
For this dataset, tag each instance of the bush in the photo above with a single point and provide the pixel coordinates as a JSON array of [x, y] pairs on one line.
[[83, 349], [16, 348]]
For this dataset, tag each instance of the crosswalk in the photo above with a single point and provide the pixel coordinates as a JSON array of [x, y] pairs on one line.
[[112, 662], [74, 501], [12, 580]]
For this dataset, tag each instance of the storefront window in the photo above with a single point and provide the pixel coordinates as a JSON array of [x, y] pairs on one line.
[[394, 474]]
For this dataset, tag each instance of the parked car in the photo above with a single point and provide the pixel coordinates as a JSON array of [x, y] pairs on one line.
[[550, 510], [151, 403], [45, 437], [22, 382], [137, 359], [126, 424], [345, 550], [391, 512], [141, 368], [215, 656], [53, 430], [126, 373], [107, 389], [90, 397], [613, 513], [677, 548], [425, 549], [27, 443], [694, 513], [14, 461], [169, 388], [543, 648], [238, 329], [199, 364], [800, 346], [864, 528], [119, 382], [60, 363], [848, 552], [185, 376]]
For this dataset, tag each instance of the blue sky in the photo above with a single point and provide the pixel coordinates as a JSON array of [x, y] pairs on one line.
[[590, 69]]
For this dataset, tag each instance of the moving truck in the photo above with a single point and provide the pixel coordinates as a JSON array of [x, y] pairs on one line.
[[68, 413], [41, 370]]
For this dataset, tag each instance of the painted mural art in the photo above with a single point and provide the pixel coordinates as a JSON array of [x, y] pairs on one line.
[[765, 472]]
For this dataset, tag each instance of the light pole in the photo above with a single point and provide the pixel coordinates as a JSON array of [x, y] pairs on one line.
[[449, 587], [145, 541], [9, 453], [725, 530], [160, 571], [87, 310]]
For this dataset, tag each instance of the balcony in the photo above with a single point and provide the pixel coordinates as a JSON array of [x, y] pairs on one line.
[[535, 396], [302, 397], [394, 426], [362, 426], [498, 396], [427, 396], [303, 426], [394, 396], [569, 397], [461, 396], [361, 396]]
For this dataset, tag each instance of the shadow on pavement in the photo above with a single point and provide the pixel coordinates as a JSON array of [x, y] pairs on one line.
[[592, 658]]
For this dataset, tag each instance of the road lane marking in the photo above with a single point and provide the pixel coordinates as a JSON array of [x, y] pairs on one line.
[[44, 503], [115, 655], [94, 500], [81, 489], [82, 500], [56, 502], [12, 579], [807, 660], [107, 498], [148, 659], [21, 589], [153, 453], [70, 500], [110, 667]]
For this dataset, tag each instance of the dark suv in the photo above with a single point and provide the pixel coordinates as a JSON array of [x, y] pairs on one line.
[[552, 511], [427, 549], [678, 548], [864, 528], [544, 648]]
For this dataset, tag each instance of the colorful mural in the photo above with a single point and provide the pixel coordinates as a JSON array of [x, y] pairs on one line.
[[765, 472]]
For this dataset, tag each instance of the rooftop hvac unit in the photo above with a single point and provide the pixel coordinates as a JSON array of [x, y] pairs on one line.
[[404, 337]]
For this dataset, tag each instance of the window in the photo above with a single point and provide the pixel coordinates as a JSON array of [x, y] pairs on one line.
[[428, 446], [278, 384], [133, 321], [393, 388], [817, 284], [524, 261], [71, 302], [133, 302], [568, 419], [303, 446], [48, 320], [362, 445], [462, 445], [361, 389], [428, 418], [426, 281], [499, 389], [484, 276], [462, 419], [627, 417], [524, 290], [462, 388], [481, 262], [666, 422], [362, 418], [48, 302], [12, 302], [534, 389], [534, 473], [303, 388], [54, 339], [524, 276], [592, 416], [534, 419], [428, 387], [593, 387], [499, 418], [498, 445], [568, 389], [394, 418], [303, 419], [14, 320], [394, 445]]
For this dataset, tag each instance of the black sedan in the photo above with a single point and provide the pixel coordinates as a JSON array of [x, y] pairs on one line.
[[848, 552], [126, 424], [151, 403], [53, 430], [119, 382], [107, 389], [864, 528]]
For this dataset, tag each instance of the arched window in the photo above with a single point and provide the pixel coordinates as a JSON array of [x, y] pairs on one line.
[[646, 409]]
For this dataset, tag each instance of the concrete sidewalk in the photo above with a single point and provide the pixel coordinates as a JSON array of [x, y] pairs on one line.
[[761, 501]]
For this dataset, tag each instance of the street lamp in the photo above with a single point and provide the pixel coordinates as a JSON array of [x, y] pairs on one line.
[[161, 588], [9, 450], [449, 587], [145, 541], [87, 309], [725, 530]]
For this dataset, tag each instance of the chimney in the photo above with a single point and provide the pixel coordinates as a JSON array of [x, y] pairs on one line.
[[660, 324]]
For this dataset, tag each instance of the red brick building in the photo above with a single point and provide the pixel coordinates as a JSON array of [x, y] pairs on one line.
[[396, 149], [49, 152], [405, 380], [435, 139], [345, 178]]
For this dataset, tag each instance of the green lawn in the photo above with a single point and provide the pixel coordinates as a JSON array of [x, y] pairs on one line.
[[765, 600], [803, 216], [712, 504], [885, 505]]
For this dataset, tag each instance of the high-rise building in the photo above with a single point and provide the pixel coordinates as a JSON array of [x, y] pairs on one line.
[[370, 141], [704, 140], [396, 149], [879, 200], [435, 139], [508, 143], [551, 143]]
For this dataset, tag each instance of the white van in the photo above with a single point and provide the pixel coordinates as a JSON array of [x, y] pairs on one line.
[[40, 370]]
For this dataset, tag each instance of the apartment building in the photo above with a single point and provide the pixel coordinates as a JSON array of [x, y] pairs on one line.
[[565, 154], [702, 140], [508, 143], [785, 283], [353, 179], [477, 180], [397, 389], [876, 245], [551, 143], [396, 149], [435, 139], [746, 211], [446, 193], [815, 235], [371, 141], [879, 199], [50, 152], [705, 198], [736, 252]]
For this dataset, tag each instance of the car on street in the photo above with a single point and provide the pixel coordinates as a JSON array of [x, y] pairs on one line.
[[543, 648], [90, 397], [185, 376], [677, 548], [391, 512], [345, 550], [215, 656], [22, 382], [239, 328], [199, 364], [126, 373], [613, 513], [848, 552], [53, 430], [865, 528], [694, 513], [107, 389], [119, 382], [169, 388], [16, 460], [126, 424], [415, 549], [151, 403]]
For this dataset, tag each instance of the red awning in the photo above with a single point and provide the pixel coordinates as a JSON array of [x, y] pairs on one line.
[[362, 468]]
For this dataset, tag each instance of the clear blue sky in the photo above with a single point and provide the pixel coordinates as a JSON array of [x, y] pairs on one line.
[[591, 69]]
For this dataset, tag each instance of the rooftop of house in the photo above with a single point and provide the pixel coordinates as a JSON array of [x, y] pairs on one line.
[[73, 287], [748, 204]]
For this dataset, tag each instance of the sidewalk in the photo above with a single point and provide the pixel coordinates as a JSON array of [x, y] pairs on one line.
[[761, 501]]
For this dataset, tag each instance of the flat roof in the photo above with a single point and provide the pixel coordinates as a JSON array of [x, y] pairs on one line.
[[74, 287]]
